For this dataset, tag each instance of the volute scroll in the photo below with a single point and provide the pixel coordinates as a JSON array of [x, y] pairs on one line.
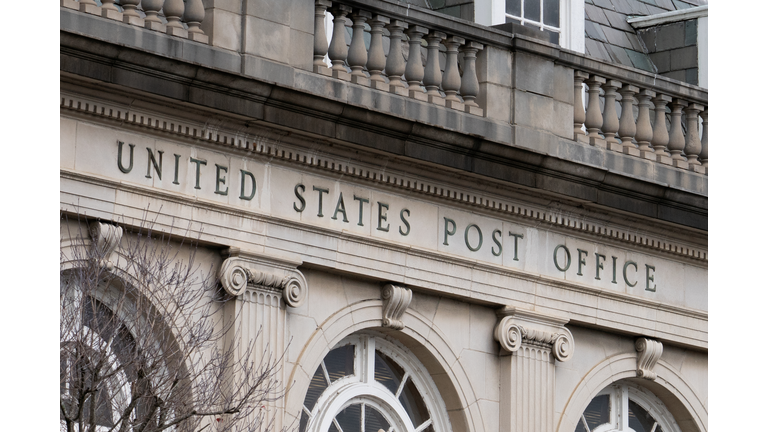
[[242, 270]]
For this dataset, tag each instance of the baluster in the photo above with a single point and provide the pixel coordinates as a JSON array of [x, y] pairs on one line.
[[376, 58], [357, 54], [151, 9], [90, 6], [660, 138], [321, 43], [451, 79], [194, 14], [337, 51], [130, 16], [470, 87], [594, 119], [109, 10], [579, 115], [692, 142], [610, 117], [676, 137], [627, 127], [395, 67], [414, 69], [173, 11], [432, 77], [704, 155], [644, 132]]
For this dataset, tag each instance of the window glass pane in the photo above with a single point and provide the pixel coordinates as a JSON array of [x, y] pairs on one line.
[[639, 419], [598, 411], [511, 20], [333, 428], [414, 404], [316, 387], [513, 7], [533, 10], [374, 420], [340, 362], [552, 12], [387, 372], [349, 418], [554, 37]]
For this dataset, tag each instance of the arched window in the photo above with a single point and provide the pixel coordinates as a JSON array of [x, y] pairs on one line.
[[93, 369], [370, 384], [624, 407]]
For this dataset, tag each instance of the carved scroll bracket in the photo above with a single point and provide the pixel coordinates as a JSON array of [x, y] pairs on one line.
[[396, 300], [106, 238], [518, 327], [242, 269], [648, 353]]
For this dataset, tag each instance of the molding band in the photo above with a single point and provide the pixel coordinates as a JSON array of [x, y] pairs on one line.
[[396, 300], [242, 269], [648, 353]]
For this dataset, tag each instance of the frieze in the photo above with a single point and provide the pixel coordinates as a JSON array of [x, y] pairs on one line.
[[262, 147]]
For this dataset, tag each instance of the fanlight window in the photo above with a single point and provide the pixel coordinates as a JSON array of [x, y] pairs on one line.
[[369, 384], [626, 407]]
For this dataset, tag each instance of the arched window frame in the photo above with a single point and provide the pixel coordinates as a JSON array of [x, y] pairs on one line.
[[361, 387], [620, 393]]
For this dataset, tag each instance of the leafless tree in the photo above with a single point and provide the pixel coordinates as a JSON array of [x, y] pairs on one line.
[[144, 345]]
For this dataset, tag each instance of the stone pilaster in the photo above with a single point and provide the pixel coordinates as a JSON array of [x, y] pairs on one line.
[[261, 287], [531, 343]]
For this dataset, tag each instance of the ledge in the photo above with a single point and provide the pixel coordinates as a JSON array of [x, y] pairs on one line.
[[669, 17]]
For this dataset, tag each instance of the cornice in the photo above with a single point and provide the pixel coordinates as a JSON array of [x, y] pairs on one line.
[[256, 146]]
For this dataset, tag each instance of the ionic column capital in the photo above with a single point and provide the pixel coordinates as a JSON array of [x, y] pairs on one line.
[[243, 269], [518, 327]]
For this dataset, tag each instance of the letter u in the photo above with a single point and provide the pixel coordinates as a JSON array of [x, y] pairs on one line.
[[120, 157]]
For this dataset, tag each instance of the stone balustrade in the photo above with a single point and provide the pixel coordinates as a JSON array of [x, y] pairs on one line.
[[454, 86], [683, 144], [407, 61], [181, 18]]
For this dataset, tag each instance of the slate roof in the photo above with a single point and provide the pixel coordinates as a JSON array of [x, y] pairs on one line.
[[609, 37]]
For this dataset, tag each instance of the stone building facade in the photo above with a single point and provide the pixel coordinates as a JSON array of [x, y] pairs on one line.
[[469, 230]]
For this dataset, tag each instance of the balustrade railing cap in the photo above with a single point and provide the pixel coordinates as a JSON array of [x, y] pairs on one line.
[[596, 79], [629, 88], [379, 18], [415, 28], [361, 13]]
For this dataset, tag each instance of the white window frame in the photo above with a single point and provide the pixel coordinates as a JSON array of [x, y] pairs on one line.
[[363, 388], [492, 12], [620, 393]]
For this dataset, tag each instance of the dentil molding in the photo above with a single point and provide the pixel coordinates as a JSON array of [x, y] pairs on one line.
[[106, 237], [242, 269], [648, 353], [396, 300], [518, 327]]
